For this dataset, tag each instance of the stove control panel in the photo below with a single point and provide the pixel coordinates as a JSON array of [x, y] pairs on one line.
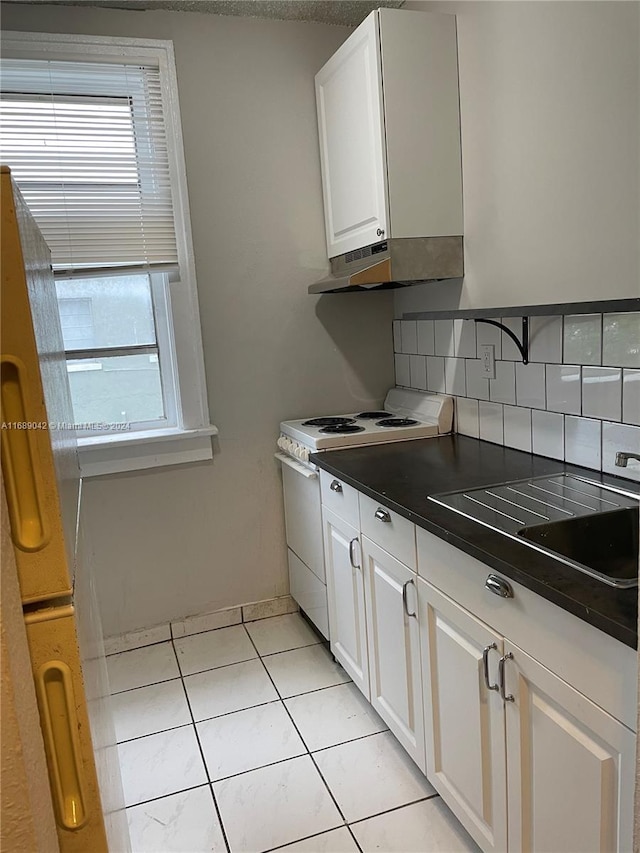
[[293, 448]]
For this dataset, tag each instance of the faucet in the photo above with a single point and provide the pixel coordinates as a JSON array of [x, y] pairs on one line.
[[623, 458]]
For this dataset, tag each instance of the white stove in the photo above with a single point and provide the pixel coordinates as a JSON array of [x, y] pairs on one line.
[[405, 415]]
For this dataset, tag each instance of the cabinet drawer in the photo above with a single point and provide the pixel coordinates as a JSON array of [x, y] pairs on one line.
[[389, 530], [596, 664], [339, 498]]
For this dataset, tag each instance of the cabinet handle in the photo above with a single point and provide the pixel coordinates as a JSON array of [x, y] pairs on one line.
[[382, 514], [498, 586], [501, 663], [379, 231], [485, 666], [335, 486], [351, 550], [404, 599]]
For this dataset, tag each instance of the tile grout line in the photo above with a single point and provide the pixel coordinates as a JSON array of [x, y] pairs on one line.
[[202, 755]]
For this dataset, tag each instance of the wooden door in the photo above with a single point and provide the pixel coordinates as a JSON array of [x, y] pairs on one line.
[[345, 594], [570, 766], [464, 719]]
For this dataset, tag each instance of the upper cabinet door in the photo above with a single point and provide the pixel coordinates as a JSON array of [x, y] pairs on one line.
[[352, 149]]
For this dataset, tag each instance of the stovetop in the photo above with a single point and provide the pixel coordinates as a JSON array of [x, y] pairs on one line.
[[406, 414]]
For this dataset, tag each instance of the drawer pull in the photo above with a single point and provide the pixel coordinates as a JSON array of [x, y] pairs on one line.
[[335, 486], [498, 586], [404, 599], [501, 663], [382, 514], [485, 666]]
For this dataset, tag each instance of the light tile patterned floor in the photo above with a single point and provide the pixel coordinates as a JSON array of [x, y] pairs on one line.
[[251, 738]]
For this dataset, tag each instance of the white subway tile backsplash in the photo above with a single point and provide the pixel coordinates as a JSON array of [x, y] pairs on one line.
[[509, 349], [397, 335], [435, 374], [426, 342], [491, 422], [583, 441], [621, 339], [418, 372], [530, 385], [454, 377], [583, 339], [630, 396], [477, 384], [502, 389], [403, 371], [602, 393], [487, 334], [444, 337], [545, 339], [517, 428], [548, 434], [467, 418], [616, 437], [409, 336], [464, 337], [564, 388]]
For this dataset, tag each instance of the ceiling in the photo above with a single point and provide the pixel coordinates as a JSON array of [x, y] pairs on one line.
[[343, 12]]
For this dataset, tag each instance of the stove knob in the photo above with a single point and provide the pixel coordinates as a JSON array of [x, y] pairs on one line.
[[299, 451], [305, 454], [281, 442]]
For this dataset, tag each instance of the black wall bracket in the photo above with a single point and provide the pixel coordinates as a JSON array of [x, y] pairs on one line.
[[523, 346]]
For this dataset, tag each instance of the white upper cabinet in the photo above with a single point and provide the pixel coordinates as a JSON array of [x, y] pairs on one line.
[[389, 125]]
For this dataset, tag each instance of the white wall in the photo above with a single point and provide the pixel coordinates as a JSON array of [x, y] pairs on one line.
[[550, 113], [178, 541]]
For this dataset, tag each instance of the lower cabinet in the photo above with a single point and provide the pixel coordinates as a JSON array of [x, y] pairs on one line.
[[525, 761], [393, 637], [345, 593]]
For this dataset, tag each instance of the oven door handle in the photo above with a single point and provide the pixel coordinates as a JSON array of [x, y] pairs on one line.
[[309, 473]]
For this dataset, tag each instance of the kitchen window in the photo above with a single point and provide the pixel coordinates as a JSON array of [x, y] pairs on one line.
[[91, 131]]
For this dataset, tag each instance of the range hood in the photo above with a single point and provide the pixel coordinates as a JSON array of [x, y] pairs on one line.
[[396, 262]]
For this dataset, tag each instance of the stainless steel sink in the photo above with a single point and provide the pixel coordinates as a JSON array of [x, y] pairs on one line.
[[583, 524]]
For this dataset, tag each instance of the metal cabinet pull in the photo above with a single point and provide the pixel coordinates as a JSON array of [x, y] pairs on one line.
[[382, 514], [404, 599], [485, 666], [351, 551], [498, 586], [501, 663], [335, 486]]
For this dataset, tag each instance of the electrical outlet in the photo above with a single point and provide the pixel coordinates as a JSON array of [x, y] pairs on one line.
[[488, 359]]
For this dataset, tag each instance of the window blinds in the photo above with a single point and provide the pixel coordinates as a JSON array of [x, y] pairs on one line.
[[86, 144]]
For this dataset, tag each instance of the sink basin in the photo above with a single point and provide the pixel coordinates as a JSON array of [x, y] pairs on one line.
[[584, 524], [606, 543]]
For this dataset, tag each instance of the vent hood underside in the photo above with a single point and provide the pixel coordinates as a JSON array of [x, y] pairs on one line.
[[394, 263]]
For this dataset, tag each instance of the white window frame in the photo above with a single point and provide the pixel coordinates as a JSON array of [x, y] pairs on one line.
[[176, 304]]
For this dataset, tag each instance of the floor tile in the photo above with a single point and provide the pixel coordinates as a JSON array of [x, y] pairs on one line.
[[228, 689], [160, 764], [147, 710], [371, 775], [286, 802], [282, 633], [143, 666], [334, 715], [335, 841], [248, 739], [214, 648], [137, 639], [302, 670], [414, 829], [175, 824]]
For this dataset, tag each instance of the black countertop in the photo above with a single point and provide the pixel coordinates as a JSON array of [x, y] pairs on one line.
[[400, 475]]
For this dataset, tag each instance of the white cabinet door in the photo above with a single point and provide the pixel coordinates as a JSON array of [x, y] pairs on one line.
[[352, 150], [345, 593], [394, 647], [464, 720], [570, 766]]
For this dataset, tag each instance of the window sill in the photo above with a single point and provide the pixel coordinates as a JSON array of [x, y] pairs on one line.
[[111, 454]]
